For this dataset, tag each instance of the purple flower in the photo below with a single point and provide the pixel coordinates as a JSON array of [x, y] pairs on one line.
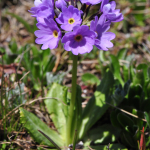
[[80, 40], [93, 2], [48, 35], [69, 18], [103, 38], [61, 3], [109, 11], [43, 9]]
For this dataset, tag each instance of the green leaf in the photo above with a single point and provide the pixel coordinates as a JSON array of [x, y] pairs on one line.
[[46, 61], [120, 93], [96, 106], [147, 143], [122, 53], [90, 79], [139, 19], [102, 56], [143, 67], [35, 50], [138, 121], [147, 89], [126, 87], [147, 117], [13, 46], [116, 68], [58, 108], [131, 68], [24, 22], [41, 148], [76, 119], [148, 71], [111, 146], [134, 90], [78, 111], [2, 51], [103, 134], [145, 105], [125, 120], [139, 78], [50, 140], [33, 124], [129, 139], [48, 65], [125, 70], [114, 120]]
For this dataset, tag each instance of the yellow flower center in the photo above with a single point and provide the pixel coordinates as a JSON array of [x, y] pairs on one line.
[[78, 37], [71, 21], [55, 34]]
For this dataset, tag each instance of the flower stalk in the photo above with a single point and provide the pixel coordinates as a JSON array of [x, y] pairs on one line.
[[70, 120]]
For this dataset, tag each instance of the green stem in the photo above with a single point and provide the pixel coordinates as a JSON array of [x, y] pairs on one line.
[[2, 89], [70, 120], [75, 140]]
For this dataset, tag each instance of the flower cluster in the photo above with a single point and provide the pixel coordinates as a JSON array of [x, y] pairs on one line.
[[66, 20]]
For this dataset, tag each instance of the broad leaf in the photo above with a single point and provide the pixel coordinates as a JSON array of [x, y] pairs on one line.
[[33, 124], [129, 139], [58, 108], [138, 121], [96, 106], [145, 105], [125, 72], [122, 53], [102, 56], [103, 134], [57, 147], [116, 68], [114, 120], [111, 146], [148, 72], [131, 69], [78, 112], [143, 67], [134, 90], [139, 78], [90, 79], [125, 120], [75, 121], [120, 93]]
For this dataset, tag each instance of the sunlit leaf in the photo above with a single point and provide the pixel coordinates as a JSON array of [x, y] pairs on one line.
[[90, 79], [33, 124], [58, 107], [96, 106]]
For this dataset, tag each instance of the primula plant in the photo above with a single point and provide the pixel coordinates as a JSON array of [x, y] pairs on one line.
[[68, 21]]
